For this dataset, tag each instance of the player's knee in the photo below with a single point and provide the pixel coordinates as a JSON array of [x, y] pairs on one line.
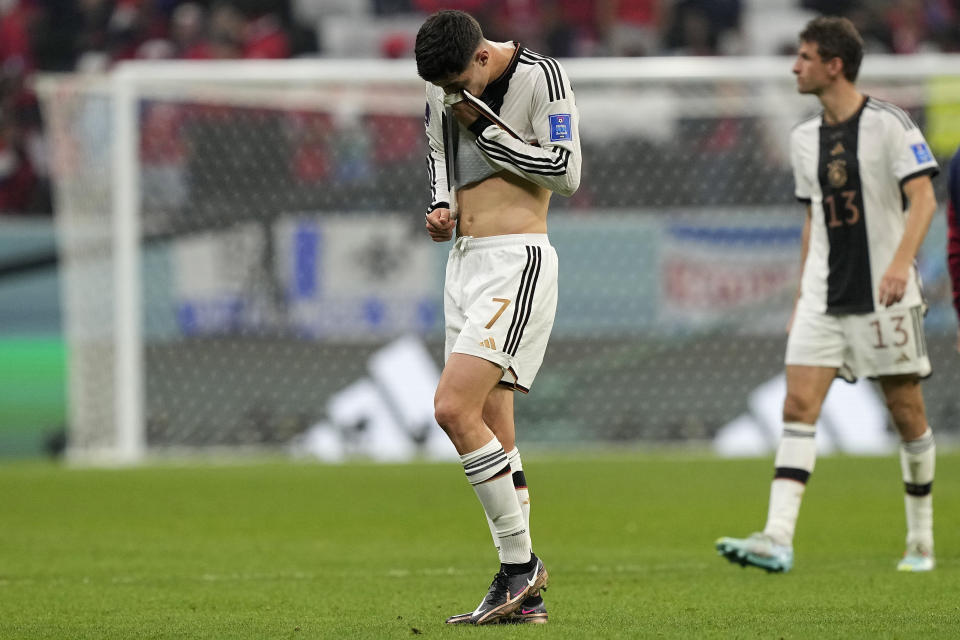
[[444, 413], [449, 413], [799, 408]]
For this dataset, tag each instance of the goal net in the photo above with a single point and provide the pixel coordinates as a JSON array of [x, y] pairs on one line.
[[244, 258]]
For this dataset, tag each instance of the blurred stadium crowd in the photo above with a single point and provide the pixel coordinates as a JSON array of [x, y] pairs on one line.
[[91, 35]]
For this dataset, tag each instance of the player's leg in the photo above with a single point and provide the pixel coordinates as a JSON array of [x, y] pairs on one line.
[[499, 321], [817, 349], [797, 452], [498, 414], [464, 385], [772, 549], [904, 399]]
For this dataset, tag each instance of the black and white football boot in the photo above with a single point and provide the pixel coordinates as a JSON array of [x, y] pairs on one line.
[[532, 611], [510, 587]]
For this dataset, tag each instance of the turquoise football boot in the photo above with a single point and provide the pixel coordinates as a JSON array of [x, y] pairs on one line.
[[759, 550]]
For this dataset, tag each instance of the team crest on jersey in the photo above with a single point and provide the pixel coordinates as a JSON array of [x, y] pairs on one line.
[[560, 127], [837, 173], [921, 152]]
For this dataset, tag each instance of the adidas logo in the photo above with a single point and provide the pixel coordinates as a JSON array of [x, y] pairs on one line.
[[903, 357], [489, 344]]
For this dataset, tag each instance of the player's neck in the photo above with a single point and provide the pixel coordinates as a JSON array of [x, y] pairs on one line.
[[501, 53], [840, 102]]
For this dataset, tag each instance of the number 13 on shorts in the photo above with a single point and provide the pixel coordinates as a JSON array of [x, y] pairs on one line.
[[892, 342], [899, 334]]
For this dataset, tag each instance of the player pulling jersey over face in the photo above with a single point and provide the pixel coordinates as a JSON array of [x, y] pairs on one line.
[[495, 161]]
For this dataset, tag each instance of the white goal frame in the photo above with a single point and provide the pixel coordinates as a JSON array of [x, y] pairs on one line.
[[131, 81]]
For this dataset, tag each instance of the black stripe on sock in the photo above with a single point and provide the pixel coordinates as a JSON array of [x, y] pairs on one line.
[[918, 490], [789, 473], [485, 459], [519, 481], [499, 474], [474, 471]]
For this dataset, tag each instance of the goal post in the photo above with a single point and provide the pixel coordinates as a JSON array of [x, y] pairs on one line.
[[238, 240], [126, 234]]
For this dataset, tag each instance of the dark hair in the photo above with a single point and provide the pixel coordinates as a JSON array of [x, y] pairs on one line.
[[836, 38], [445, 43]]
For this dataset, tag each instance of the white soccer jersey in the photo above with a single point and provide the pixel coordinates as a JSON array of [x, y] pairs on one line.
[[851, 174], [533, 96]]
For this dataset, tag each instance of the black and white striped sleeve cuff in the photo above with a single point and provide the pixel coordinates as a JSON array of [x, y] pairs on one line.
[[479, 125]]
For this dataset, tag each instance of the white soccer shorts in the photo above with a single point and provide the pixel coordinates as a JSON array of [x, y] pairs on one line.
[[883, 343], [499, 302]]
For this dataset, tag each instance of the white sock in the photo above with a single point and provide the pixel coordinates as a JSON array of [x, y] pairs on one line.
[[488, 470], [523, 494], [796, 456], [917, 461]]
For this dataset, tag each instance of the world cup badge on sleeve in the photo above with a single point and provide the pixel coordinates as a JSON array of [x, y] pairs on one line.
[[560, 127], [921, 152]]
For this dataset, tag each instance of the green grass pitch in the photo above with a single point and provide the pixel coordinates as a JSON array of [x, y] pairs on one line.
[[292, 550]]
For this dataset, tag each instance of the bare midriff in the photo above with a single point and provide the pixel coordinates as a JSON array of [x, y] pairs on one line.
[[502, 204]]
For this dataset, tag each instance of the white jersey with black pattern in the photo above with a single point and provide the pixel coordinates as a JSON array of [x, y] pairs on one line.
[[535, 99], [851, 174]]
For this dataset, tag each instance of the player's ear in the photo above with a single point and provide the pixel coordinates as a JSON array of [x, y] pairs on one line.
[[482, 56], [835, 67]]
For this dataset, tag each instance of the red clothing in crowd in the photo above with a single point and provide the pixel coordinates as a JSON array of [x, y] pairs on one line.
[[265, 38], [953, 228], [17, 179], [15, 38]]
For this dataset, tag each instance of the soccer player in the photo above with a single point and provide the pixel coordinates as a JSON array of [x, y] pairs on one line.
[[859, 309], [501, 124], [953, 233]]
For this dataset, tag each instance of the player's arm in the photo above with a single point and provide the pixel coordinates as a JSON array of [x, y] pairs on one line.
[[805, 243], [804, 247], [554, 161], [913, 165], [439, 222], [923, 204], [803, 193]]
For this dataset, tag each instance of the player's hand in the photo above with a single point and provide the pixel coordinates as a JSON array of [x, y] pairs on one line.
[[465, 113], [894, 284], [440, 225]]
